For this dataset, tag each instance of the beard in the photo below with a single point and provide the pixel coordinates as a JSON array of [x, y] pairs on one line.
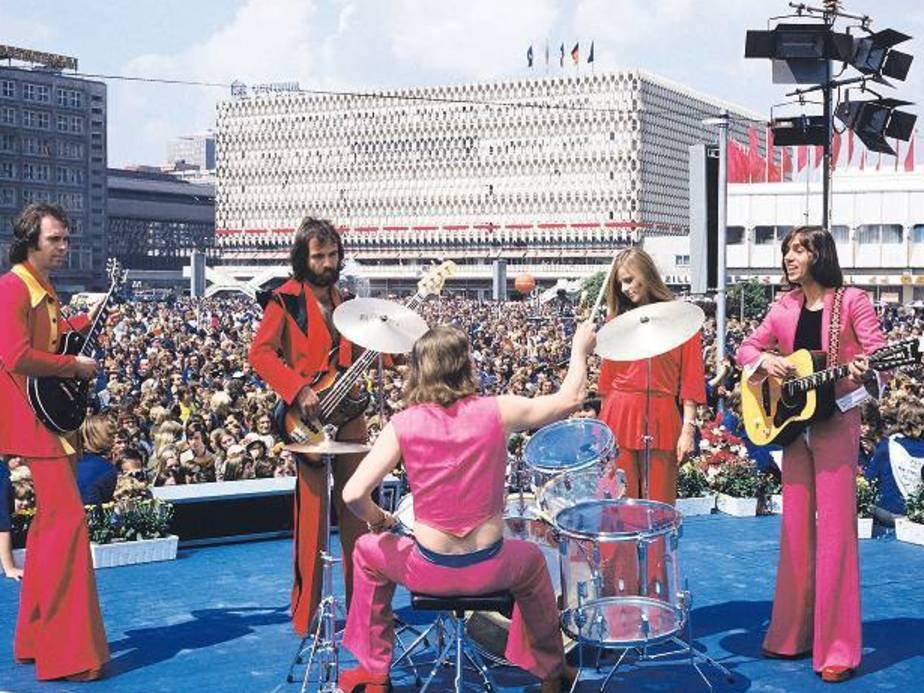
[[325, 278]]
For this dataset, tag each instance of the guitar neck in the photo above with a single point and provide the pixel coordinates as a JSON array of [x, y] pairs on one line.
[[815, 380], [90, 344], [356, 369]]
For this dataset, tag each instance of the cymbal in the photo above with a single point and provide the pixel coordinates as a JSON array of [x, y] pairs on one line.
[[379, 325], [328, 447], [649, 330]]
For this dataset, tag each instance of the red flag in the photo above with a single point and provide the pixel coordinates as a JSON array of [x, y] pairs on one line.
[[835, 149], [819, 155], [909, 157], [801, 157], [755, 160], [849, 148], [862, 159], [773, 171], [787, 164], [736, 163]]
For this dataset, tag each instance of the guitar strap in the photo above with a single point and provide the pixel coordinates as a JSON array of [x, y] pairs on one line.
[[834, 335]]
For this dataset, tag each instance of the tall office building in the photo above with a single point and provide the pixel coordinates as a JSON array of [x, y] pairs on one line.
[[53, 149]]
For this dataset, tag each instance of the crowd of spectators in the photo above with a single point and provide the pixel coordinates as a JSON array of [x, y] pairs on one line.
[[178, 403]]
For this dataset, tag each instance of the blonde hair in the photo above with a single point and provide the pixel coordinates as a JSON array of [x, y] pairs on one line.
[[440, 369], [97, 433], [616, 301]]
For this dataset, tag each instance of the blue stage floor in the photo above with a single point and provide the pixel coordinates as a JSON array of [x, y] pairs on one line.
[[215, 620]]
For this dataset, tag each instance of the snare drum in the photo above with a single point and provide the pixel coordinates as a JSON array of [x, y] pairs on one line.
[[569, 447], [613, 603]]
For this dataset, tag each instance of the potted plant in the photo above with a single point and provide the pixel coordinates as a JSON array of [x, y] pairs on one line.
[[131, 531], [737, 484], [910, 528], [694, 496], [867, 492]]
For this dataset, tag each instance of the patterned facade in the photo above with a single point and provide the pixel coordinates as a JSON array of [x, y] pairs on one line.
[[550, 171]]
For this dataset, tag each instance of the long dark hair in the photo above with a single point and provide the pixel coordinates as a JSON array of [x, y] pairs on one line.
[[28, 227], [310, 228], [825, 268]]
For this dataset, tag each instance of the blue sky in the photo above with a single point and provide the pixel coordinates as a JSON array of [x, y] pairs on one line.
[[378, 44]]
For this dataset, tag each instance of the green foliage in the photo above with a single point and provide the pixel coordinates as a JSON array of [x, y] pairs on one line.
[[591, 288], [738, 479], [129, 520], [867, 492], [756, 299], [914, 505], [691, 482]]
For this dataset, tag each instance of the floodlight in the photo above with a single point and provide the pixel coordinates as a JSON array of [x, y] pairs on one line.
[[873, 54], [799, 130], [874, 121]]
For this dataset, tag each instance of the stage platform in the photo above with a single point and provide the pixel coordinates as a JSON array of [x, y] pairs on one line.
[[216, 620]]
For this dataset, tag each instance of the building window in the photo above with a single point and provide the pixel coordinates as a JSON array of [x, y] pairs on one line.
[[35, 172], [917, 234], [764, 235], [75, 124], [35, 146], [35, 92], [69, 150], [71, 201], [7, 88], [7, 170], [734, 235], [841, 234], [30, 196], [7, 143], [68, 175], [7, 115], [682, 260], [891, 234], [35, 119], [69, 98], [874, 234], [7, 197]]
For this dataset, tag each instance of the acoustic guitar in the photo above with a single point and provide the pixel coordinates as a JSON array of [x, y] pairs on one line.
[[340, 400], [776, 412], [61, 403]]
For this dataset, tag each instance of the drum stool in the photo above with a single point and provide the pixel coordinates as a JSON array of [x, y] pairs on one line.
[[455, 607]]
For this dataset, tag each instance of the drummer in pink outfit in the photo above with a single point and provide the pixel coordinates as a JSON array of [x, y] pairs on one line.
[[453, 444], [816, 607]]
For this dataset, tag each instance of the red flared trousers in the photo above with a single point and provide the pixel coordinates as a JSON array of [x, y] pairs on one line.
[[59, 624]]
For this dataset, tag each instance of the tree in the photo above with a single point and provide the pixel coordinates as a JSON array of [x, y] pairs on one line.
[[756, 299], [591, 288]]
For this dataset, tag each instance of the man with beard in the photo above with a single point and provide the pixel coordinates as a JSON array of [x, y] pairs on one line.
[[295, 343]]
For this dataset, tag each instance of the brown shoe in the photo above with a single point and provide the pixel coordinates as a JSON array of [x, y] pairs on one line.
[[836, 674], [770, 654], [85, 676]]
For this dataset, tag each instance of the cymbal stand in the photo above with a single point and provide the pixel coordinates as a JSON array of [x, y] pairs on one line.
[[647, 438], [325, 642]]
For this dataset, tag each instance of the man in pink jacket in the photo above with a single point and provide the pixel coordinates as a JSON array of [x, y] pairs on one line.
[[816, 607]]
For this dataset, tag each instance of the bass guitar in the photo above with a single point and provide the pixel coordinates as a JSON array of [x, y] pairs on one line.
[[776, 412], [340, 398], [61, 403]]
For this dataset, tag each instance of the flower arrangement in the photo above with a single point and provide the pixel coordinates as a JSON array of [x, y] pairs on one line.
[[718, 446], [738, 478], [914, 505], [129, 519], [867, 492], [692, 481]]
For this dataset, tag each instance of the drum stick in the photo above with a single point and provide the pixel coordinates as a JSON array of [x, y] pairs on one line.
[[606, 281]]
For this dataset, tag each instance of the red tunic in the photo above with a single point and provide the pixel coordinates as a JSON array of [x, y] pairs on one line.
[[30, 329], [676, 375]]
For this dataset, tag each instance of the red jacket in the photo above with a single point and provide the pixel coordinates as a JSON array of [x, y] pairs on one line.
[[30, 328], [292, 345]]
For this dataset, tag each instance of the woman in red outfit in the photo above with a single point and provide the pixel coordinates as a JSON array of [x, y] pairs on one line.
[[59, 627], [677, 384]]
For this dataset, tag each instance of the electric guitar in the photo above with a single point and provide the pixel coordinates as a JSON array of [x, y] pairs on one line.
[[61, 403], [776, 412], [340, 400]]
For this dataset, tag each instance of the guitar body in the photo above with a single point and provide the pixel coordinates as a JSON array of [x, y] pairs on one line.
[[769, 416], [60, 403], [294, 429]]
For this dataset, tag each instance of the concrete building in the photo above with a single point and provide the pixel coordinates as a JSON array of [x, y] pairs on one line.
[[550, 174], [53, 149], [156, 221], [196, 150]]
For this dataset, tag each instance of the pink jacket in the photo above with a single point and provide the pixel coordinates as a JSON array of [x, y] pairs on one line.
[[860, 330]]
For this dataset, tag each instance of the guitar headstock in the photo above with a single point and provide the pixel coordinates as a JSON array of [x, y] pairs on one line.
[[432, 282], [116, 272], [907, 352]]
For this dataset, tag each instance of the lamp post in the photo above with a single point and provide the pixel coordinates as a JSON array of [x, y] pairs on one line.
[[721, 122]]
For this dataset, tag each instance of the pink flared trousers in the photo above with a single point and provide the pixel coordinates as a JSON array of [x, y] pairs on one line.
[[382, 561], [817, 601]]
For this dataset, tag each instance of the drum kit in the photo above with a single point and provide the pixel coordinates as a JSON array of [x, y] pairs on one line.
[[568, 497]]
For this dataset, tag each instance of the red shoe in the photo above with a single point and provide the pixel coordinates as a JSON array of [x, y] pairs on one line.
[[85, 676], [836, 674], [358, 679]]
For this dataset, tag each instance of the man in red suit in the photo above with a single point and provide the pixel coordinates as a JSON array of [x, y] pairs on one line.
[[59, 627], [292, 346]]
